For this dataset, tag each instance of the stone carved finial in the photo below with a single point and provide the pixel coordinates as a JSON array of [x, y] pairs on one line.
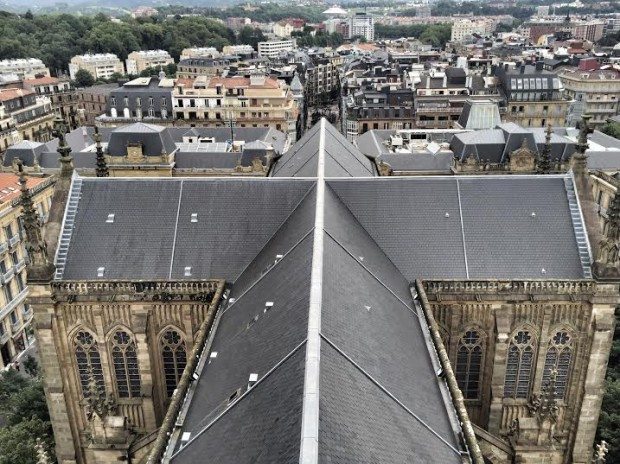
[[601, 452], [66, 161], [97, 403], [607, 262], [544, 407], [35, 245], [42, 455], [384, 169], [102, 166], [580, 159], [543, 162]]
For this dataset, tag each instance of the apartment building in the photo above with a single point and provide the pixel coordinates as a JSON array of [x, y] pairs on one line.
[[192, 68], [362, 25], [100, 65], [26, 68], [533, 96], [596, 93], [33, 114], [141, 60], [273, 48], [589, 30], [15, 313], [93, 101], [148, 98], [257, 101], [199, 52], [242, 50], [9, 134], [463, 29], [286, 27], [322, 77], [63, 96]]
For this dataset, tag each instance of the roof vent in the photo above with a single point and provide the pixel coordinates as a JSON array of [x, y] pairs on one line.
[[278, 258], [188, 271], [533, 214], [268, 306], [252, 380], [447, 215], [100, 271], [361, 258], [110, 218], [194, 217], [543, 271], [185, 438], [213, 354]]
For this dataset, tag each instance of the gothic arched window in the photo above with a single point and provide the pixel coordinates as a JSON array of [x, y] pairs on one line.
[[519, 365], [469, 364], [174, 359], [125, 363], [88, 361], [559, 355]]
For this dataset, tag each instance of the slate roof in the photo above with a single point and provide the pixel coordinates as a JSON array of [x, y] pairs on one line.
[[155, 140], [342, 159], [312, 263]]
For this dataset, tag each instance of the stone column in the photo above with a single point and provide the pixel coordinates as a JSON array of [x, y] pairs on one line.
[[139, 317], [603, 326], [502, 324], [44, 323]]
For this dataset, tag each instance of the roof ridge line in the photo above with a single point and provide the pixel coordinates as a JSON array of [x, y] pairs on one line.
[[388, 393], [309, 439], [295, 245], [238, 400]]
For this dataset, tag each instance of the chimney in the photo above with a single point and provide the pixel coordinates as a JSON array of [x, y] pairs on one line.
[[522, 69], [539, 66]]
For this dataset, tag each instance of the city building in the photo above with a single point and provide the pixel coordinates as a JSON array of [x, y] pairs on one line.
[[144, 12], [595, 92], [322, 76], [210, 311], [141, 60], [273, 48], [61, 93], [464, 29], [199, 52], [241, 50], [93, 101], [16, 333], [100, 65], [33, 114], [144, 98], [257, 101], [284, 28], [9, 135], [26, 68], [142, 149], [362, 25], [192, 68], [533, 97]]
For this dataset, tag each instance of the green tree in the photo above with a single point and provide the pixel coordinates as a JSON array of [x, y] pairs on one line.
[[251, 36], [84, 78], [31, 366], [612, 128], [17, 442]]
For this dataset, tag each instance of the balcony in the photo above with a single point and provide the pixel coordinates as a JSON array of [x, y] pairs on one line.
[[4, 337], [17, 268], [14, 240], [15, 326], [7, 276], [19, 298], [4, 246]]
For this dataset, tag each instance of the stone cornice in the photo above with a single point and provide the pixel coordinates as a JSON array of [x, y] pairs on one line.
[[138, 290], [511, 288]]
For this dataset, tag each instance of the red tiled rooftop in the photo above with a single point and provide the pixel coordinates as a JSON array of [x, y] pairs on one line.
[[9, 185]]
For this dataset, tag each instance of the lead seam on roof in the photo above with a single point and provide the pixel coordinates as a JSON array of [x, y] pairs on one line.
[[458, 193], [176, 226], [388, 393], [238, 400], [309, 447]]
